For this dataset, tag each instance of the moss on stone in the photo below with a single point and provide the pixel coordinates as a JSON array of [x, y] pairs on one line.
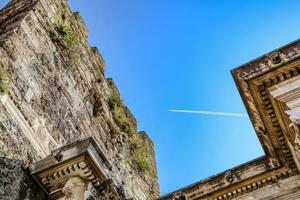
[[140, 155], [2, 127], [119, 111], [68, 37], [139, 149]]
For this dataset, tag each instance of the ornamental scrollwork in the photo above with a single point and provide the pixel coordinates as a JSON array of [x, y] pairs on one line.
[[229, 176], [179, 196], [294, 116]]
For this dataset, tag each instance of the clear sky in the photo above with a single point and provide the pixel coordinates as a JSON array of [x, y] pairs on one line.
[[177, 54]]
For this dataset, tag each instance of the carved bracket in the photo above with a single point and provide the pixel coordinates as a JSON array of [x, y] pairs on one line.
[[79, 169]]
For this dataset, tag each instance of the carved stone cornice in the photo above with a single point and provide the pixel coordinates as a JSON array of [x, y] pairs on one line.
[[268, 62], [251, 185]]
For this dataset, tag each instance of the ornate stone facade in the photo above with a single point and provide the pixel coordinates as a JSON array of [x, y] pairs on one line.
[[270, 89]]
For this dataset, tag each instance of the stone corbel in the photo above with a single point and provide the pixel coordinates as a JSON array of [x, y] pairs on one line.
[[78, 171]]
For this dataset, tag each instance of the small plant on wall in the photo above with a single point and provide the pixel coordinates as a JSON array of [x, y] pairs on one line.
[[4, 89], [119, 110], [65, 36], [120, 116], [140, 154]]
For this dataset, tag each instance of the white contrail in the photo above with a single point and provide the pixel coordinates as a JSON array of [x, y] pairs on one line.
[[211, 113]]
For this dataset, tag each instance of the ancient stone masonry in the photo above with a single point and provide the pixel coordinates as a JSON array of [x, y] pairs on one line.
[[270, 89], [53, 93], [16, 183]]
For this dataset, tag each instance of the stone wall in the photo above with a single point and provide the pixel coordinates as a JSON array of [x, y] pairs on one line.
[[53, 91], [15, 183]]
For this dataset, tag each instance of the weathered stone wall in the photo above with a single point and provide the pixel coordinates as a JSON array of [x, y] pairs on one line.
[[53, 91], [15, 183]]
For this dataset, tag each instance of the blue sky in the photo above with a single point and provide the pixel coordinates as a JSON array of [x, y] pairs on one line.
[[177, 54]]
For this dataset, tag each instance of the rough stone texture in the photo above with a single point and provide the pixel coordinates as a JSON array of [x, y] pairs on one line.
[[58, 93], [15, 182]]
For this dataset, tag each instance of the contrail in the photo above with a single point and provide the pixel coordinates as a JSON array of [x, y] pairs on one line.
[[211, 113]]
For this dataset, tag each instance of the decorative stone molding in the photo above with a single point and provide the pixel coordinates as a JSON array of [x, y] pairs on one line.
[[254, 186], [179, 196], [78, 171], [294, 116], [265, 63], [275, 57], [229, 176]]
